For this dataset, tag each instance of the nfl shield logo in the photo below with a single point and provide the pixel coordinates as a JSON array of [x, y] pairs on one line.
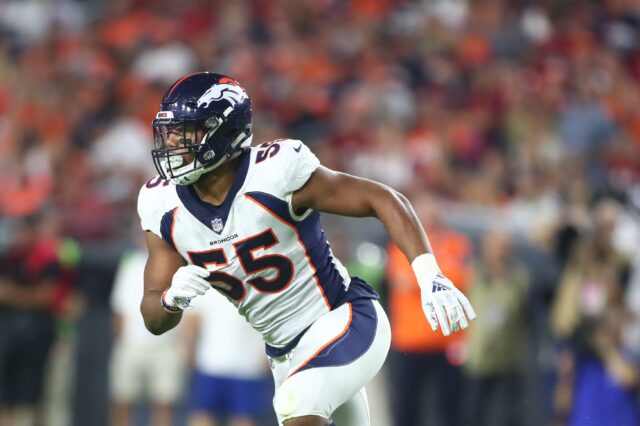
[[217, 225]]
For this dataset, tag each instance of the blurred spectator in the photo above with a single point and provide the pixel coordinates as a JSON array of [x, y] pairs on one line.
[[498, 291], [596, 377], [231, 383], [144, 368], [423, 361], [94, 330], [32, 281], [625, 239]]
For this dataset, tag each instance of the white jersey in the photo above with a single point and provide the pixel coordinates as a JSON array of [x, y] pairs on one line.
[[273, 263]]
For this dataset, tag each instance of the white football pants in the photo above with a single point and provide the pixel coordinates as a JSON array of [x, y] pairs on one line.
[[325, 374]]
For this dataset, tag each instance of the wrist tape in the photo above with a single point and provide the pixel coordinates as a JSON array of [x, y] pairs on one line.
[[166, 306], [424, 266]]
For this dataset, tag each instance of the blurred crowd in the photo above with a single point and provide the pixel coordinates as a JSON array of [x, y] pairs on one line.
[[519, 119]]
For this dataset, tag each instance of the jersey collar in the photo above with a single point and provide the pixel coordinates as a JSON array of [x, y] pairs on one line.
[[215, 217]]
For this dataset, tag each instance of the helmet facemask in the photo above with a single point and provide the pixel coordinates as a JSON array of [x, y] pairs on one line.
[[209, 141]]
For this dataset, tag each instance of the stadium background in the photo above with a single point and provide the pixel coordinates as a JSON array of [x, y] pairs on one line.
[[521, 118]]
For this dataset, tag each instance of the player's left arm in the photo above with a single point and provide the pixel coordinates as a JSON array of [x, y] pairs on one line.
[[339, 193], [334, 192]]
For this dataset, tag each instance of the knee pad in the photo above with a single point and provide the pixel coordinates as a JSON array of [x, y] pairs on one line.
[[287, 399]]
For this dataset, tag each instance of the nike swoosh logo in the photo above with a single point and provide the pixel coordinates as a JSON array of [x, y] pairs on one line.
[[298, 148]]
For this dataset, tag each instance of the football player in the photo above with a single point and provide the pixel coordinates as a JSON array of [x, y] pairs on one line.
[[245, 221]]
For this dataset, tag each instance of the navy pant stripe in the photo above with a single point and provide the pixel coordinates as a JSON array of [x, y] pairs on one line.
[[352, 343]]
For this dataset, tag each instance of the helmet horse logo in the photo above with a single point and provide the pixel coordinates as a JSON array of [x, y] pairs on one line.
[[231, 93]]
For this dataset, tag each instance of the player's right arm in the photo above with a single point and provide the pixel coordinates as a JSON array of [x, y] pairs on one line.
[[162, 264], [169, 283]]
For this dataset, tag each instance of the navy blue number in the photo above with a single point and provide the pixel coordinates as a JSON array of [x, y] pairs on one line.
[[267, 150], [157, 181], [223, 282], [280, 264], [234, 287]]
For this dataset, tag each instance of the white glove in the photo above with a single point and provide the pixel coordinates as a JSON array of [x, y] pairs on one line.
[[188, 282], [442, 302]]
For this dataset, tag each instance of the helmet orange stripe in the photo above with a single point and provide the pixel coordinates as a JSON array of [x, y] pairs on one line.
[[180, 81]]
